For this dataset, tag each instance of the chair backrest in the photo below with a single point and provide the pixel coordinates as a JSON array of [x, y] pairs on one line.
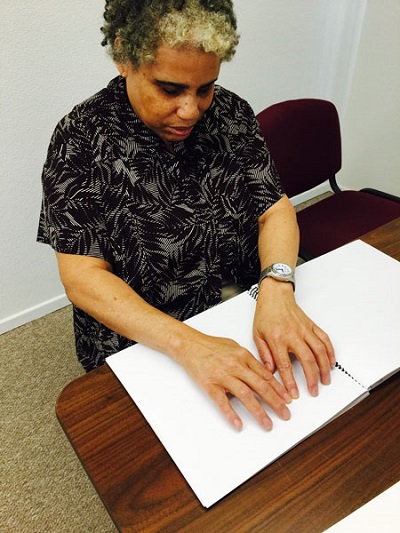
[[303, 137]]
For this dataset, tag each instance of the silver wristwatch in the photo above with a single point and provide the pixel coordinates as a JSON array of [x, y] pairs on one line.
[[278, 271]]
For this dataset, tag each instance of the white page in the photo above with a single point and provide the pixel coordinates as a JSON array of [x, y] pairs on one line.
[[213, 457], [200, 441], [353, 293]]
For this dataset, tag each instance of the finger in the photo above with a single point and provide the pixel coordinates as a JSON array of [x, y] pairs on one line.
[[327, 343], [253, 377], [218, 395], [267, 388], [269, 391], [264, 380], [265, 353], [310, 367], [320, 353], [284, 367], [322, 348], [246, 396]]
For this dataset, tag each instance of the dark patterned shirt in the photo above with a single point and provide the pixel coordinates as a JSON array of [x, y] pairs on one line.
[[174, 226]]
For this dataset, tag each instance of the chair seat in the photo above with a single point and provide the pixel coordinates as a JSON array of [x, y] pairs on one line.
[[342, 218]]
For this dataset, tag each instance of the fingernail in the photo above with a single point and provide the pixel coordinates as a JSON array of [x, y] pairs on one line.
[[266, 423], [287, 397], [286, 414], [237, 423], [294, 393], [314, 391]]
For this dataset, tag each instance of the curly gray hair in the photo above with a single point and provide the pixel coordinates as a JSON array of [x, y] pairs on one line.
[[134, 29]]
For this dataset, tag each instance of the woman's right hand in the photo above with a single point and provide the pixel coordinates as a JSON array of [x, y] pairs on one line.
[[222, 367]]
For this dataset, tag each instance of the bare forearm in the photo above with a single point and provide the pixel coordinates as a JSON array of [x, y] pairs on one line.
[[111, 301], [280, 327], [278, 235]]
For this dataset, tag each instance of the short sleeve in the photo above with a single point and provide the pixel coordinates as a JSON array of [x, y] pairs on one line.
[[234, 133], [71, 218], [255, 159]]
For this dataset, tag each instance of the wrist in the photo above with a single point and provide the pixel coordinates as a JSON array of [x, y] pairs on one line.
[[271, 285], [280, 272], [184, 342]]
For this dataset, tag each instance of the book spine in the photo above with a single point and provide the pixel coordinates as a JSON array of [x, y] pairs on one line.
[[340, 367], [253, 291]]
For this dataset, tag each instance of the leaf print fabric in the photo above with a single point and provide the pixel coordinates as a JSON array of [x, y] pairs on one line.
[[174, 226]]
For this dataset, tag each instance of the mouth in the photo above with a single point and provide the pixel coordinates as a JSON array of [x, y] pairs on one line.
[[180, 131]]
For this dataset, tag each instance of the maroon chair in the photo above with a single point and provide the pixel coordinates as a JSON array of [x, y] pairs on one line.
[[303, 137]]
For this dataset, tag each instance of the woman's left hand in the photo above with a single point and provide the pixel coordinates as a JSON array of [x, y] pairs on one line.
[[281, 328]]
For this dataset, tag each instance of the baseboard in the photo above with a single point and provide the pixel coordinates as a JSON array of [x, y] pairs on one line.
[[312, 193], [33, 313]]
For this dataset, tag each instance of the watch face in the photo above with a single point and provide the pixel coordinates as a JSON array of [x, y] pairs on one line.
[[282, 269]]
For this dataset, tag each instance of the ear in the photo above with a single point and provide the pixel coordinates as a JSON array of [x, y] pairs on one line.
[[122, 69]]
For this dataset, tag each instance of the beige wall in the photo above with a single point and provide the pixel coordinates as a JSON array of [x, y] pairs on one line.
[[371, 126], [51, 59]]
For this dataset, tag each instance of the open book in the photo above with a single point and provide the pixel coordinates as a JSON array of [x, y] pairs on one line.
[[353, 293]]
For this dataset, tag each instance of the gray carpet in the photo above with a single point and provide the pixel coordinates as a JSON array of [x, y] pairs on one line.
[[43, 487]]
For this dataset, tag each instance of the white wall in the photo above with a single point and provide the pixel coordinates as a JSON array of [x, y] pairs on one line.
[[294, 49], [51, 59], [371, 127]]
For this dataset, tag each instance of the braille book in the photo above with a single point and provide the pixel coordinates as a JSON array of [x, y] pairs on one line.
[[353, 293]]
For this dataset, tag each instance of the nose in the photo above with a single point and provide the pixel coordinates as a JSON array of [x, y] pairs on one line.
[[189, 109]]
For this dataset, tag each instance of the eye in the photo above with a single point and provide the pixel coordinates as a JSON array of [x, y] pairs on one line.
[[171, 91], [205, 90]]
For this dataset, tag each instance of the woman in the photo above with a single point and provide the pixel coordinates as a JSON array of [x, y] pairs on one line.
[[158, 190]]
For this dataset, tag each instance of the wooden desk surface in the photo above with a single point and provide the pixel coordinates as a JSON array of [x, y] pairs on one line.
[[320, 481]]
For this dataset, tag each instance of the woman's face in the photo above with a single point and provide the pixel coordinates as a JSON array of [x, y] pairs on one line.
[[172, 94]]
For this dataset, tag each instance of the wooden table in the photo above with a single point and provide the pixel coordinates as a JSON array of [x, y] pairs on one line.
[[319, 482]]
